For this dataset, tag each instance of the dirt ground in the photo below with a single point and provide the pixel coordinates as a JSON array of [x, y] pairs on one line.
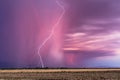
[[60, 74]]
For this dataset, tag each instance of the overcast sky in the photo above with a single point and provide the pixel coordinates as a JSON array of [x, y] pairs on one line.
[[87, 35]]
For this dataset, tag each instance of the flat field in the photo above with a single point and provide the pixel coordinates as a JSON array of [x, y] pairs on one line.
[[60, 74]]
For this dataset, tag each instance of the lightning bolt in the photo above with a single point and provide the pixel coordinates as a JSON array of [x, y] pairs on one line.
[[52, 32]]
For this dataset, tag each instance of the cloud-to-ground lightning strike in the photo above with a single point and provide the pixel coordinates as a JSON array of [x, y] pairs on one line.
[[52, 32]]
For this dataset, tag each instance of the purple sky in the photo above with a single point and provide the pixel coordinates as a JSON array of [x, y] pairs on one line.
[[87, 35]]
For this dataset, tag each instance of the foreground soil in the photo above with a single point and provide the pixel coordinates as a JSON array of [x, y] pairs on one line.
[[60, 74]]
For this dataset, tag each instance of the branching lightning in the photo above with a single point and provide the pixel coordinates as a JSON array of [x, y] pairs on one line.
[[52, 32]]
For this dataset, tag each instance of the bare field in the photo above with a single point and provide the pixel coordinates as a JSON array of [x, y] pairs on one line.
[[60, 74]]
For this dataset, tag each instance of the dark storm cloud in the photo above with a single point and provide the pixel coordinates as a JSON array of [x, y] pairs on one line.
[[81, 10], [6, 21], [24, 25], [14, 32], [86, 54], [93, 28], [98, 27]]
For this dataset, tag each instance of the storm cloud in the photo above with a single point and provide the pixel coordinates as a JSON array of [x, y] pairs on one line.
[[89, 32]]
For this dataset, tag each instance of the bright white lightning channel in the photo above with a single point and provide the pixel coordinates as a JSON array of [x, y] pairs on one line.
[[52, 32]]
